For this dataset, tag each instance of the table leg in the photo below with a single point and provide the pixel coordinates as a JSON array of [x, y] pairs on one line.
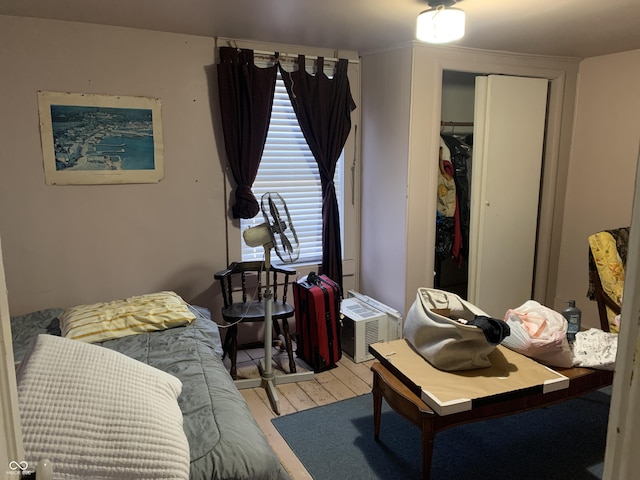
[[428, 439], [407, 404], [377, 406]]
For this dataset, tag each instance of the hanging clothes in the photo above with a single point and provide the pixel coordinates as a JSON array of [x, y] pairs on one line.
[[446, 183], [460, 155], [448, 230]]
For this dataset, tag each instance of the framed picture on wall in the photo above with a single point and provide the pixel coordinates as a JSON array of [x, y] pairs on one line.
[[90, 139]]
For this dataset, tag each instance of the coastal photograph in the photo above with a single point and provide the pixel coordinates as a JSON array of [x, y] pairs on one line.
[[95, 139], [102, 138]]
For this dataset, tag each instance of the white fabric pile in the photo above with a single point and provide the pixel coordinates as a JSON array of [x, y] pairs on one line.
[[595, 348]]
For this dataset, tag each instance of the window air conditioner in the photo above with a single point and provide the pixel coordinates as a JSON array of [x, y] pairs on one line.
[[366, 321]]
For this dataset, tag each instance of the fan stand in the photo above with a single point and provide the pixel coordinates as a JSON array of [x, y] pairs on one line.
[[267, 379]]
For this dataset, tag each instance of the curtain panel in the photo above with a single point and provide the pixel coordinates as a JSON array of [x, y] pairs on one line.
[[323, 107], [246, 99]]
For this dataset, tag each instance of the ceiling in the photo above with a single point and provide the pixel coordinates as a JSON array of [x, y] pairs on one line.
[[569, 28]]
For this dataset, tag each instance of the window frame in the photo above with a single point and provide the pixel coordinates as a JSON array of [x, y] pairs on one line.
[[351, 164]]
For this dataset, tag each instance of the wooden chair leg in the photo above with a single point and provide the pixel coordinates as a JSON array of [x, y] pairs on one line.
[[287, 339], [276, 327], [277, 340], [233, 350], [226, 344]]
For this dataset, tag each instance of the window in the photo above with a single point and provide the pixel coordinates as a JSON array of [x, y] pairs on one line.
[[289, 168]]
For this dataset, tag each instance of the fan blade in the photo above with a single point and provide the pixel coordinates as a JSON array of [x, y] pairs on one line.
[[282, 231], [285, 242], [278, 225]]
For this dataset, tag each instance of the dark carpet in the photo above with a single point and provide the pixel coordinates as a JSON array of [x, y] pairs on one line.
[[564, 441]]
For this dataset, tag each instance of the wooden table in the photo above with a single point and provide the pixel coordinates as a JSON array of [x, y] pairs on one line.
[[405, 399]]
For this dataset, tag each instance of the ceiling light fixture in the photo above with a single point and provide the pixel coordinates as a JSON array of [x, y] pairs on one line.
[[441, 23]]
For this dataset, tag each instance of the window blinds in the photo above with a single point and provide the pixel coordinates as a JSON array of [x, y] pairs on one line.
[[289, 168]]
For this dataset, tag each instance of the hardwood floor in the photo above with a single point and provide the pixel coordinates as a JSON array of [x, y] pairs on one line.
[[347, 380]]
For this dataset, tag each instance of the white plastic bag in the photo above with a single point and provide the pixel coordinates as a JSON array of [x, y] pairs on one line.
[[540, 333]]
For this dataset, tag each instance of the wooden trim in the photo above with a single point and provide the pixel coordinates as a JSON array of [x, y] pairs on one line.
[[10, 417], [623, 435]]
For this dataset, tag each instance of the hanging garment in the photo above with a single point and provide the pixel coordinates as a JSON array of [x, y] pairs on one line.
[[460, 154], [446, 183], [447, 172], [444, 236]]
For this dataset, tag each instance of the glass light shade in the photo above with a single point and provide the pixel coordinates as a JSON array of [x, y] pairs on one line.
[[440, 25]]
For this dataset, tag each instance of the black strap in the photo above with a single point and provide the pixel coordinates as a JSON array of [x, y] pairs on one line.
[[494, 330]]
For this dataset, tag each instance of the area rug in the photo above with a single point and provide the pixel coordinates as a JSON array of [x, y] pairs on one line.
[[564, 441]]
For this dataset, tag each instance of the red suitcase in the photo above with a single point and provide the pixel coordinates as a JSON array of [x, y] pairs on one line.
[[317, 308]]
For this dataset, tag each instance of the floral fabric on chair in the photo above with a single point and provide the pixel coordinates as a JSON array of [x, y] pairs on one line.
[[608, 254]]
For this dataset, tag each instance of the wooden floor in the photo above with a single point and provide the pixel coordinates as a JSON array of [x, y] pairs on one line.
[[347, 380]]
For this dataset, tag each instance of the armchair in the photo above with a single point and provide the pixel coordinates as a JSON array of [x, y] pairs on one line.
[[607, 259]]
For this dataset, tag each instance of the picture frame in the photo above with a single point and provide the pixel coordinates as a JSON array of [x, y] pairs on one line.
[[93, 139]]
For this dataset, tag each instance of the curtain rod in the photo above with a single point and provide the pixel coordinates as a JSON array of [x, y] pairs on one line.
[[295, 56]]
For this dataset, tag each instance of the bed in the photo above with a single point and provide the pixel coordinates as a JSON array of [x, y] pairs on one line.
[[224, 441]]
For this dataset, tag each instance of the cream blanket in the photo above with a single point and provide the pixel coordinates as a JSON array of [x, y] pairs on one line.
[[95, 413]]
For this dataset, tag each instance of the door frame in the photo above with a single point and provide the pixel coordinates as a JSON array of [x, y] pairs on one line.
[[11, 432], [554, 172]]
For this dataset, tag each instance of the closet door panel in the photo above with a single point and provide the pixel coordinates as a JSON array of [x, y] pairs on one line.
[[510, 120]]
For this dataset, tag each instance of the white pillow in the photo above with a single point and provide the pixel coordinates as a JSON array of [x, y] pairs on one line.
[[95, 413], [105, 321]]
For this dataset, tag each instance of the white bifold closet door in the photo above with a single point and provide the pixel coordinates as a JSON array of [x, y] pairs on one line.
[[509, 125]]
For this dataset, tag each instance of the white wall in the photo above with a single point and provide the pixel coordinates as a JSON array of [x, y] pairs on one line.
[[386, 110], [65, 245], [458, 98], [600, 184]]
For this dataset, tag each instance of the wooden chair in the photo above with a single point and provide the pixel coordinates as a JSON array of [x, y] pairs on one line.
[[604, 301], [607, 256], [242, 285]]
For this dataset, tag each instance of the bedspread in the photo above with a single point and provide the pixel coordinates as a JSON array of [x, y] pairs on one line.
[[225, 442]]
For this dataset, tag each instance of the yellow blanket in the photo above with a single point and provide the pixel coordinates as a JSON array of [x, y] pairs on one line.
[[105, 321]]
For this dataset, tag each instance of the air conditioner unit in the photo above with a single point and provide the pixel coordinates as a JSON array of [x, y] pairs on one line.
[[366, 321]]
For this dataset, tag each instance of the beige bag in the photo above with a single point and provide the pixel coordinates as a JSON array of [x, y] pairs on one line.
[[433, 329]]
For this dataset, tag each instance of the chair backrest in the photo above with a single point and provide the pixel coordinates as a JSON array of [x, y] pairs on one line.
[[607, 259], [246, 281]]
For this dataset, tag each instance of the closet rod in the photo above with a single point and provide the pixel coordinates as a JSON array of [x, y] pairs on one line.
[[456, 124]]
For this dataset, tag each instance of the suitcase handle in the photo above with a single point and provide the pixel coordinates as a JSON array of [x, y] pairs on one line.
[[313, 279]]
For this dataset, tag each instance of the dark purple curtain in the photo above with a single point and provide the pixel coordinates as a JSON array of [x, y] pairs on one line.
[[246, 98], [323, 107]]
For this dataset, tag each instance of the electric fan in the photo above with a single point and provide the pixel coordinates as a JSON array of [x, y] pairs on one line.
[[278, 234], [274, 232]]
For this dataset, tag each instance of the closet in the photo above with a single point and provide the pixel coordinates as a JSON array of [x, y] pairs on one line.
[[402, 110], [491, 150], [453, 215]]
